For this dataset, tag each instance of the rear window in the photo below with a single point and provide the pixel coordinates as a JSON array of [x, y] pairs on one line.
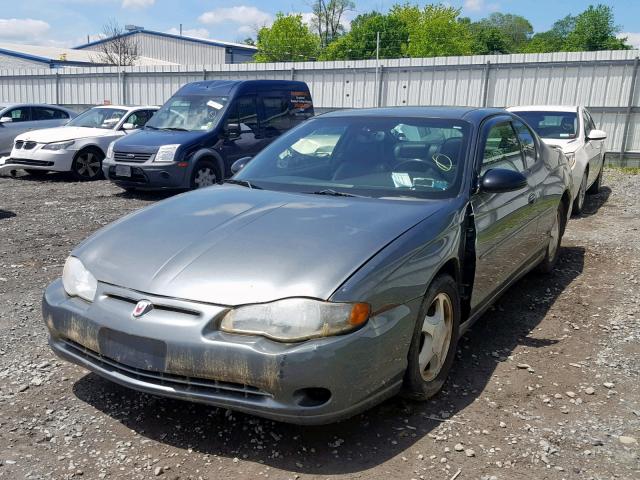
[[557, 125]]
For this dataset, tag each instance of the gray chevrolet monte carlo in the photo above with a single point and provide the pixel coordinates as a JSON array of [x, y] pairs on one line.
[[337, 268]]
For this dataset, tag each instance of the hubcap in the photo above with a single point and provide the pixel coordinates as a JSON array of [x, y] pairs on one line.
[[437, 328], [554, 235], [88, 165], [205, 177], [583, 190]]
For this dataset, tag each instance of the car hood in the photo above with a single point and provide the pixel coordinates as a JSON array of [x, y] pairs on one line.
[[60, 134], [150, 140], [230, 245]]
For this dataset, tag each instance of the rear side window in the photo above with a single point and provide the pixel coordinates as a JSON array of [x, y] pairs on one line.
[[277, 114], [301, 104], [20, 114], [502, 149], [244, 113], [526, 141], [42, 113]]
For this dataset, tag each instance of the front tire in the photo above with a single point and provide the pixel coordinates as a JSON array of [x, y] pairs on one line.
[[597, 185], [434, 341], [578, 203], [87, 165], [555, 239], [205, 174]]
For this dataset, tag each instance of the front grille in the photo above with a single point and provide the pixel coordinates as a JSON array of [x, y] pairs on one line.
[[131, 157], [29, 145], [24, 161], [19, 144], [180, 383]]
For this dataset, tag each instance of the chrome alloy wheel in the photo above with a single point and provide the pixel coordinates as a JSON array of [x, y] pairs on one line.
[[437, 329], [88, 165]]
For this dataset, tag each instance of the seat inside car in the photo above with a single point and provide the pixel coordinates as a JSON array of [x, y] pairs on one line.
[[364, 155]]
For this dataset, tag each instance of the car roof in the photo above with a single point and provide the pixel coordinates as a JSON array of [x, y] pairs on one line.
[[544, 108], [471, 114], [129, 107], [225, 87], [13, 105]]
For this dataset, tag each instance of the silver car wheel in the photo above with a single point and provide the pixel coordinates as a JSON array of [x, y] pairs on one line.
[[437, 328], [205, 177], [554, 236], [88, 165]]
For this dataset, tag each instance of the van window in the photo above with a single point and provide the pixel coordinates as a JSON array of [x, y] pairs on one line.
[[189, 112], [244, 113], [277, 117]]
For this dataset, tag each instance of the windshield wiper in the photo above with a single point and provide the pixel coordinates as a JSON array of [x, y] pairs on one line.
[[243, 183], [176, 129], [152, 127], [334, 193]]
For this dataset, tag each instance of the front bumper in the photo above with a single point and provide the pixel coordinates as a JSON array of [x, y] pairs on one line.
[[177, 351], [39, 159], [148, 175]]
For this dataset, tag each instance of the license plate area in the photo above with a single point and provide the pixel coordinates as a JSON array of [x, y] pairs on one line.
[[132, 350], [123, 171]]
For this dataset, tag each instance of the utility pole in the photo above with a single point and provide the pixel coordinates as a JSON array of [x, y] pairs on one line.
[[119, 73], [377, 46]]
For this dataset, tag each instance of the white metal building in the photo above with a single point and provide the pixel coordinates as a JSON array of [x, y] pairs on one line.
[[34, 56], [183, 50]]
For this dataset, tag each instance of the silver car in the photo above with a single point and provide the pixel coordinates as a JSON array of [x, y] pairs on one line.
[[19, 118], [337, 268]]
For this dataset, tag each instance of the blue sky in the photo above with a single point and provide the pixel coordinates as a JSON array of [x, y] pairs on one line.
[[68, 22]]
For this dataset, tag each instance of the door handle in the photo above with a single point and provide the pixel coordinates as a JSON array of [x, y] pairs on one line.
[[532, 197]]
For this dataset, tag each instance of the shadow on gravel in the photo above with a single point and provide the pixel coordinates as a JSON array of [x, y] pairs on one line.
[[366, 440], [147, 195], [593, 202], [53, 177], [6, 214]]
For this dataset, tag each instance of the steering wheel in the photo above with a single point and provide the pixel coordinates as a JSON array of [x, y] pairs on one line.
[[423, 163]]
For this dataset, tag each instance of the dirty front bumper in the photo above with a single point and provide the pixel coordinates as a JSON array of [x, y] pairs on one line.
[[148, 175], [176, 350]]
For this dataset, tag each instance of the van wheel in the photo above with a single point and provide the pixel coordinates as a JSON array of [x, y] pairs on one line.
[[36, 173], [597, 185], [204, 174], [434, 341], [555, 239], [578, 203], [87, 165]]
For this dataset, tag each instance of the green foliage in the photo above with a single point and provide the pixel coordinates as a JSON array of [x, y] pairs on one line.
[[288, 39], [514, 29], [595, 30], [433, 30], [488, 39], [360, 42]]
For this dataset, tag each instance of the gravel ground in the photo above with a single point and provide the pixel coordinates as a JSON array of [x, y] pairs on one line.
[[545, 386]]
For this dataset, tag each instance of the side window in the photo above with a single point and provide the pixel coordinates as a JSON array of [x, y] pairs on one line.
[[502, 149], [276, 114], [586, 125], [243, 114], [592, 124], [20, 114], [527, 142], [139, 118], [42, 113]]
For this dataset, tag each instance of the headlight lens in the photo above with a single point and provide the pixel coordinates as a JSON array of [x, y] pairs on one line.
[[58, 145], [78, 281], [166, 153], [571, 158], [110, 150], [296, 319]]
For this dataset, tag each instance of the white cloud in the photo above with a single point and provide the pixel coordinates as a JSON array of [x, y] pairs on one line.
[[137, 3], [633, 38], [479, 6], [22, 28], [243, 15], [190, 32]]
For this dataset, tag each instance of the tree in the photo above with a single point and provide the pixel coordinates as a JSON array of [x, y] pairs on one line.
[[433, 30], [515, 30], [552, 40], [487, 39], [328, 17], [595, 30], [360, 42], [287, 40], [119, 49], [249, 41]]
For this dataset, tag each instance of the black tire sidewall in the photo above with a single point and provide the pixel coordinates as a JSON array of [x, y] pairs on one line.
[[415, 387], [200, 164], [595, 188], [576, 207], [74, 166], [547, 264]]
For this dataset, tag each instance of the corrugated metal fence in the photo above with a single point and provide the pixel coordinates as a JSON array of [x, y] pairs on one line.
[[603, 81]]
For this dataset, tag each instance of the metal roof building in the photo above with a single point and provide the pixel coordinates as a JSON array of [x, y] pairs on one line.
[[34, 56], [183, 50]]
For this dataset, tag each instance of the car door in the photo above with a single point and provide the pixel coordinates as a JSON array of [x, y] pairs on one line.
[[505, 223], [594, 148], [20, 123], [242, 136]]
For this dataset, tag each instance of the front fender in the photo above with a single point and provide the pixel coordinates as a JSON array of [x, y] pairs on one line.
[[209, 154]]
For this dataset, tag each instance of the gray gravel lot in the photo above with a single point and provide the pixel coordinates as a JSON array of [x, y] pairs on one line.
[[545, 386]]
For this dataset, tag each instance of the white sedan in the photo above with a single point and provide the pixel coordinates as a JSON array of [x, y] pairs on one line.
[[79, 146], [572, 129]]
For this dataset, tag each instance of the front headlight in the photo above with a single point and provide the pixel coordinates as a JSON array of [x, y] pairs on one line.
[[110, 150], [78, 281], [58, 145], [571, 158], [296, 319], [166, 154]]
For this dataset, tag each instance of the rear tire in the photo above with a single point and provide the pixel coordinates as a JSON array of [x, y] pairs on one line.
[[555, 239], [204, 174], [435, 337], [36, 173], [578, 203], [597, 185], [87, 166]]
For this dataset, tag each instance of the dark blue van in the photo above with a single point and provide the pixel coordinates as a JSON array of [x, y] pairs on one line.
[[193, 140]]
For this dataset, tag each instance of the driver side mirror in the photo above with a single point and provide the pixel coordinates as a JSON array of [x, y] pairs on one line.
[[129, 126], [239, 164], [596, 135], [232, 131], [6, 120], [499, 180]]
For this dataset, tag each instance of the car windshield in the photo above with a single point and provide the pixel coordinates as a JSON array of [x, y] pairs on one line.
[[106, 118], [189, 112], [557, 125], [365, 156]]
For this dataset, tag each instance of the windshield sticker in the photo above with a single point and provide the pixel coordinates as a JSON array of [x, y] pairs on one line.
[[214, 104], [301, 101], [401, 179]]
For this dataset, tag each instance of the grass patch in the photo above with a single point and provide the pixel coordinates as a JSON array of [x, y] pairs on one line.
[[627, 170]]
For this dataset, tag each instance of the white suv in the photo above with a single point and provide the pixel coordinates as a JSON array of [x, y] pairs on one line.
[[79, 146], [572, 129]]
